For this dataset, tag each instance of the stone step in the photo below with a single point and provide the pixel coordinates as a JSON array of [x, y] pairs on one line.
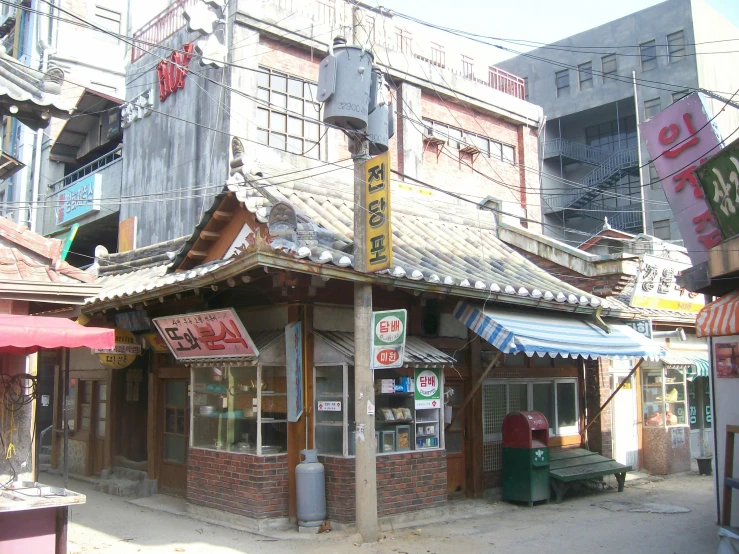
[[128, 473], [129, 488]]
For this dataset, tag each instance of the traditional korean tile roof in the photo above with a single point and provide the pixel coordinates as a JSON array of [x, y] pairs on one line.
[[28, 256], [431, 242], [42, 92]]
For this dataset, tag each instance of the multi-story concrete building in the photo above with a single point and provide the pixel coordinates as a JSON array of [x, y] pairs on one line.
[[459, 125], [595, 88], [93, 63]]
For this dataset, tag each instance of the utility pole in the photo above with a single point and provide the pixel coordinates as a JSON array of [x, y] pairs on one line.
[[364, 391]]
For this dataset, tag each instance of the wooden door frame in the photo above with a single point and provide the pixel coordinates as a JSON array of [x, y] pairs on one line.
[[462, 383], [155, 423]]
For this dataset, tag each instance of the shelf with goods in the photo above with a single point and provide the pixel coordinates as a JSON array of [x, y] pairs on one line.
[[664, 398], [428, 421], [334, 409]]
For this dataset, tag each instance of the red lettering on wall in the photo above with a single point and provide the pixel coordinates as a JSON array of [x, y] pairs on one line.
[[171, 73]]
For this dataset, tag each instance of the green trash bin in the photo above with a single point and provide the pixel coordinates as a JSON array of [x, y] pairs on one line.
[[525, 457]]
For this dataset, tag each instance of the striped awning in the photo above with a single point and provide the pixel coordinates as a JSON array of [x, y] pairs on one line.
[[695, 362], [719, 318], [555, 335]]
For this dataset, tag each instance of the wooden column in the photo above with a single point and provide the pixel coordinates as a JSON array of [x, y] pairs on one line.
[[296, 432], [57, 416], [473, 431], [152, 445]]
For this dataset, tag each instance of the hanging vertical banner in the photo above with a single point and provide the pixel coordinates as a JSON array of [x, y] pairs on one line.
[[427, 393], [294, 363], [378, 248], [388, 339]]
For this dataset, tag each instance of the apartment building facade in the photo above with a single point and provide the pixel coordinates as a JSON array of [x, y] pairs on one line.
[[597, 86]]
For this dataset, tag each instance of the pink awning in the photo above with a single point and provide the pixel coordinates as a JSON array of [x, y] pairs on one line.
[[24, 334]]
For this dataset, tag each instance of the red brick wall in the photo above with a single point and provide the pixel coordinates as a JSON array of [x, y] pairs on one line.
[[252, 486], [405, 482]]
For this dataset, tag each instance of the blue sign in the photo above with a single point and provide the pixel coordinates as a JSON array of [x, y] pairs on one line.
[[79, 199]]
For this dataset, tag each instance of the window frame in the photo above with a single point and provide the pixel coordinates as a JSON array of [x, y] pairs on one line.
[[651, 104], [468, 66], [267, 105], [680, 94], [681, 50], [442, 130], [646, 60], [554, 430], [582, 70], [561, 89], [609, 74], [664, 224]]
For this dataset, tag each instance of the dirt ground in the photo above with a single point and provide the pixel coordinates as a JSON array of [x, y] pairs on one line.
[[670, 516]]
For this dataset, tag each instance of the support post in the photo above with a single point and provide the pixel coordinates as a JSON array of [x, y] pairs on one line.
[[66, 416], [364, 391]]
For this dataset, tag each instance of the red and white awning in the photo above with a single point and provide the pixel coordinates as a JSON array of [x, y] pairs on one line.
[[25, 334], [719, 318]]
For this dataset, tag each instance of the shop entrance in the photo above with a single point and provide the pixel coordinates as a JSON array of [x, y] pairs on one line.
[[700, 417], [94, 419], [454, 437], [174, 418], [623, 422]]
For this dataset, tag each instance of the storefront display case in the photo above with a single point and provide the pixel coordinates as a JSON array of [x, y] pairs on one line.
[[664, 400], [334, 421]]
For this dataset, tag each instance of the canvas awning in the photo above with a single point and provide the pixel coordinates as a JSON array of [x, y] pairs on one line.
[[719, 318], [540, 333], [25, 334], [693, 362]]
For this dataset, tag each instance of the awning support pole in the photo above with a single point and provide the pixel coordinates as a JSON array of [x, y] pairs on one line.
[[66, 417], [618, 388], [467, 400]]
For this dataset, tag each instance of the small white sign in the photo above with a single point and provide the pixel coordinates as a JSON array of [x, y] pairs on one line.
[[427, 404], [45, 400], [370, 408], [333, 406], [678, 437]]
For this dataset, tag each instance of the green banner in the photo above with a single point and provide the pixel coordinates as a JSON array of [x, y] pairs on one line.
[[719, 177]]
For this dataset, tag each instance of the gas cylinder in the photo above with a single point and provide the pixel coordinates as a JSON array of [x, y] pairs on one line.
[[310, 484]]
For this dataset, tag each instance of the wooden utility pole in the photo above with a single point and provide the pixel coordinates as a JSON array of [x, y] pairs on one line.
[[364, 391]]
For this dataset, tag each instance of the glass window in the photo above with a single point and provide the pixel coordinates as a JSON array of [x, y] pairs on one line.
[[652, 107], [72, 403], [662, 229], [676, 46], [648, 55], [281, 95], [654, 181], [609, 67], [544, 401], [562, 79], [664, 398], [508, 154], [331, 409], [585, 72], [567, 407], [679, 95]]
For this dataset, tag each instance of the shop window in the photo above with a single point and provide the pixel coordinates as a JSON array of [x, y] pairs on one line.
[[288, 113], [699, 404], [334, 422], [240, 409], [664, 398], [85, 404]]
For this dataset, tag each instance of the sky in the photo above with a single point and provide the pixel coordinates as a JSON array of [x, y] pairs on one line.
[[545, 20]]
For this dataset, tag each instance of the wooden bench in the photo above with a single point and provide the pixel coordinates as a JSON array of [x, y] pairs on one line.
[[570, 465]]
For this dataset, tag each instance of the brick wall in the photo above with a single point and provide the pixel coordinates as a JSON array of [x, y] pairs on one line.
[[405, 482], [597, 391], [252, 486]]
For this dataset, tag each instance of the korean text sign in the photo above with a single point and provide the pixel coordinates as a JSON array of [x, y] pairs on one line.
[[79, 199], [679, 139], [215, 334], [379, 244], [656, 287], [427, 392], [720, 179], [388, 339], [294, 363]]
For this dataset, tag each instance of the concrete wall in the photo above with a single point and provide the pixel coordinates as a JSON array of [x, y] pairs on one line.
[[179, 153]]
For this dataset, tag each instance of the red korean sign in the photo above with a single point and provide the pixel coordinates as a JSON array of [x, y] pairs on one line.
[[679, 139], [215, 334], [171, 72]]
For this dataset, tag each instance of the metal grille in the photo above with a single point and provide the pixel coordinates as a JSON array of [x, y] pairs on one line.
[[494, 409]]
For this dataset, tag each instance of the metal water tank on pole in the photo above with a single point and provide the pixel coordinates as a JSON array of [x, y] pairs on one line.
[[310, 484], [380, 127]]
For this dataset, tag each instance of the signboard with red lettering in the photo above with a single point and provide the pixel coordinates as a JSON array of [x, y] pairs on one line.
[[656, 287], [215, 334], [388, 339], [427, 393], [171, 72], [679, 139]]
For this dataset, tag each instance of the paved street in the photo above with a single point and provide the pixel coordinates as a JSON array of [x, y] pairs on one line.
[[671, 516]]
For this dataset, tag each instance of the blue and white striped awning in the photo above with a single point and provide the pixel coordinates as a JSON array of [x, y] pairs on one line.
[[694, 361], [555, 335]]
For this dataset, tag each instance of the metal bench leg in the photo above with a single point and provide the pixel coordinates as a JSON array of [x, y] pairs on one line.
[[621, 479], [559, 490]]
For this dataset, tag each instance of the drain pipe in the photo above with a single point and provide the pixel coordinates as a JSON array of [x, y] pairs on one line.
[[33, 215]]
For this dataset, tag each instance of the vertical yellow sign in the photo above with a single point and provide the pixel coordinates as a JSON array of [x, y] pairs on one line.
[[378, 248]]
